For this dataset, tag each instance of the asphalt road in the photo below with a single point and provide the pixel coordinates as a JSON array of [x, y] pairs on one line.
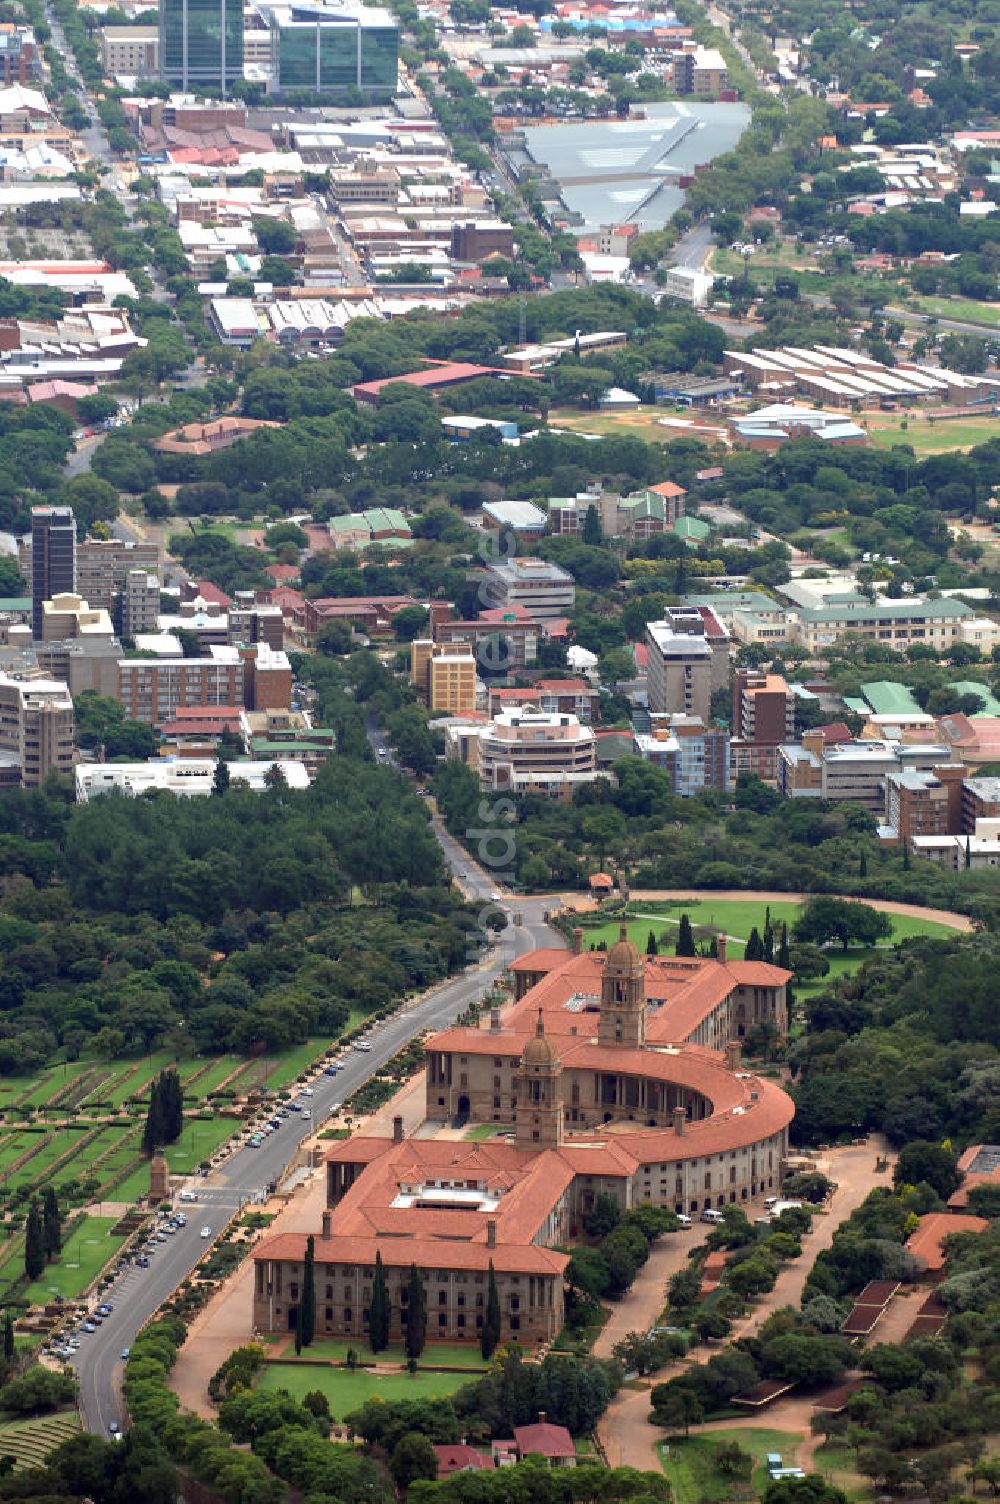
[[138, 1293]]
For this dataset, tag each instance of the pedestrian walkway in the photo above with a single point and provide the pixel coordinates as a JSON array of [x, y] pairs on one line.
[[624, 1431]]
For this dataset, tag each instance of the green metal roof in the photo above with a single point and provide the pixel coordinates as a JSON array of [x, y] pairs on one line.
[[691, 527], [858, 706], [890, 611], [15, 603], [886, 697], [991, 706], [262, 748]]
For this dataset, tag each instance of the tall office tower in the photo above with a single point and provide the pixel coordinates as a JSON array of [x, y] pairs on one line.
[[53, 559], [201, 44]]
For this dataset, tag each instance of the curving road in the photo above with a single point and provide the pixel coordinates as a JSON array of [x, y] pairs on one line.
[[139, 1293]]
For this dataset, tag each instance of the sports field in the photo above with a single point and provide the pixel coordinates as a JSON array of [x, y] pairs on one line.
[[930, 435]]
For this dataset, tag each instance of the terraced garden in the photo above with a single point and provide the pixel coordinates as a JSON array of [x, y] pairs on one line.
[[77, 1127], [29, 1442]]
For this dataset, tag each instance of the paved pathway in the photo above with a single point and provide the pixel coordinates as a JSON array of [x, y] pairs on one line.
[[624, 1431]]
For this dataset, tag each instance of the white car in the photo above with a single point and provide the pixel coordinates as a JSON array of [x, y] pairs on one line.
[[683, 1219], [206, 1231]]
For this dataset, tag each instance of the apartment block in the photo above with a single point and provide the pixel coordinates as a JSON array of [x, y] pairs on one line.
[[679, 672], [154, 689], [923, 802], [133, 51], [37, 727], [288, 735], [695, 755], [531, 751], [543, 589], [140, 603], [763, 718], [102, 565], [704, 622], [267, 676], [444, 675], [702, 72], [980, 801], [20, 56], [500, 646], [53, 558]]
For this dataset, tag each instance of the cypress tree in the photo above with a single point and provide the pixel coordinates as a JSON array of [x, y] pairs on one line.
[[968, 853], [416, 1315], [34, 1243], [171, 1105], [298, 1329], [652, 949], [754, 950], [491, 1322], [685, 938], [768, 941], [8, 1336], [307, 1305], [378, 1311], [152, 1134], [783, 957], [220, 778], [863, 864], [51, 1222]]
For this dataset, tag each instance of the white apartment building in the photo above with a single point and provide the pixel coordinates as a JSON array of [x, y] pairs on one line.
[[184, 776], [525, 750], [543, 589]]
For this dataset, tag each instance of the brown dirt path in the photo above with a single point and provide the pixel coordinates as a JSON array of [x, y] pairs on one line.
[[624, 1432]]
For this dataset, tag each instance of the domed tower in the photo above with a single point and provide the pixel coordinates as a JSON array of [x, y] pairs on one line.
[[539, 1116], [623, 995]]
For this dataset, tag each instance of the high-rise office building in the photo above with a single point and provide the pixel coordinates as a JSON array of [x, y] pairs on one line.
[[53, 559], [201, 44], [329, 48]]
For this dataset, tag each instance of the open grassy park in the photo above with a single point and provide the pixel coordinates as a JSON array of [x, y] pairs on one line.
[[930, 435], [736, 918], [347, 1389], [692, 1471]]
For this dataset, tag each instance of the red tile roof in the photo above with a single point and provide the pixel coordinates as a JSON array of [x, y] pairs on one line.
[[444, 373], [926, 1242], [667, 488], [459, 1457], [213, 594], [565, 687], [544, 1440]]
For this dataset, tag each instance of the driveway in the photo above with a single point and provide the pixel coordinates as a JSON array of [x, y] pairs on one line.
[[624, 1431]]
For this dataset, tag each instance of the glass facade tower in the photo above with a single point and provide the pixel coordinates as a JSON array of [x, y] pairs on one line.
[[327, 49], [201, 44]]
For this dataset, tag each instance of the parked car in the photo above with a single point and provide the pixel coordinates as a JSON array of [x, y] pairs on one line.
[[711, 1215], [206, 1231], [683, 1219]]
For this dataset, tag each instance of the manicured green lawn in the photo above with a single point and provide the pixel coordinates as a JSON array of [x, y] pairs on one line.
[[488, 1130], [688, 1461], [346, 1391], [737, 917], [449, 1354], [87, 1250]]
